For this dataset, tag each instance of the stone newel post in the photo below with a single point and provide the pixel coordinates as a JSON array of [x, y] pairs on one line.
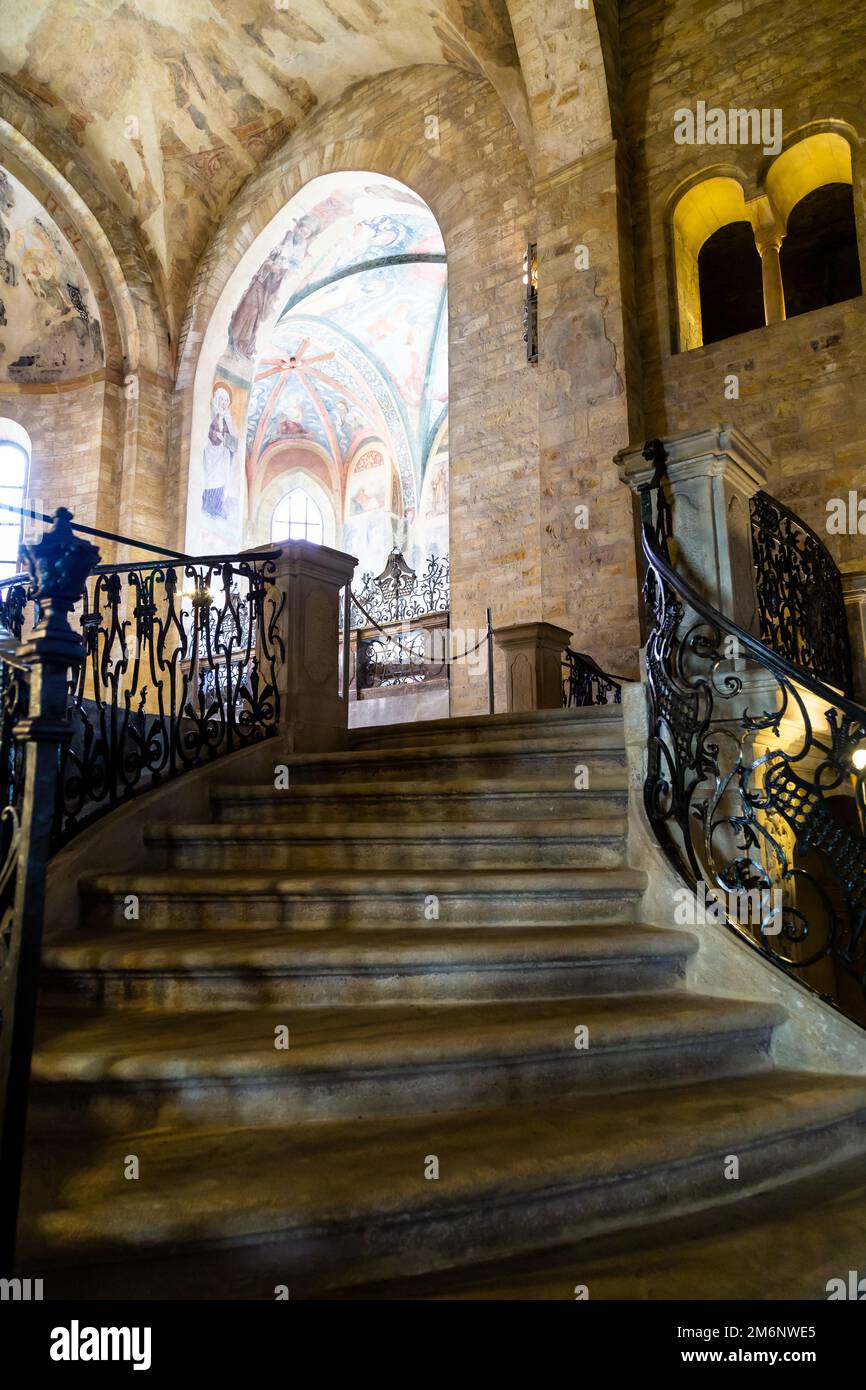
[[314, 712], [533, 665], [854, 590], [712, 476]]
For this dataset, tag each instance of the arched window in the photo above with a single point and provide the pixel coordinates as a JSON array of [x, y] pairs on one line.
[[14, 465], [819, 259], [297, 518], [731, 288]]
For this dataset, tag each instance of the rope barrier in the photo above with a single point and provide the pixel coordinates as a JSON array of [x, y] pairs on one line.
[[392, 638]]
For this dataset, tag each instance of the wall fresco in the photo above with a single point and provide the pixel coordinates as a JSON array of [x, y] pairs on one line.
[[49, 321]]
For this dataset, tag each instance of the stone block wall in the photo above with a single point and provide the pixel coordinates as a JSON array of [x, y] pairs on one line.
[[800, 382], [476, 179]]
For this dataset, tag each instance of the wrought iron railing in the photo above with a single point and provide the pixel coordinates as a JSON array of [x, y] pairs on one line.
[[399, 625], [166, 664], [756, 785], [179, 668], [585, 683], [401, 593], [799, 588]]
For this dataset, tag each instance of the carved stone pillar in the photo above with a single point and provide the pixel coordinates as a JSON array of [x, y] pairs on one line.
[[712, 475], [313, 709], [771, 274], [533, 665]]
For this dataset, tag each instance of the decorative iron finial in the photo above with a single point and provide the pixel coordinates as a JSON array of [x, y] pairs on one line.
[[59, 563]]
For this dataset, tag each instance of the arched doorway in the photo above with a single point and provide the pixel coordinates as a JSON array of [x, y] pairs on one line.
[[337, 342], [323, 386]]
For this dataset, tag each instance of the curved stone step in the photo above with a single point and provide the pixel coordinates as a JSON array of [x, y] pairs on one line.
[[141, 1070], [335, 1204], [464, 799], [311, 901], [187, 969], [545, 761], [789, 1242], [412, 846], [579, 723]]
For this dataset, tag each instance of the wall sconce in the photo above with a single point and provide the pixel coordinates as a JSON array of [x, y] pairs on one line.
[[858, 758], [530, 305]]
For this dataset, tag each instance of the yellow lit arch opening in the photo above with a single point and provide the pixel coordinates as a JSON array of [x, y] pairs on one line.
[[701, 211]]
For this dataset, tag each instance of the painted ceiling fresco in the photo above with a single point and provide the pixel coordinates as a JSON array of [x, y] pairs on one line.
[[175, 104], [337, 343], [360, 345], [49, 321]]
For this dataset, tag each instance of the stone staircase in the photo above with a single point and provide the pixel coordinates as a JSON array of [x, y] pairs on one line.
[[432, 918]]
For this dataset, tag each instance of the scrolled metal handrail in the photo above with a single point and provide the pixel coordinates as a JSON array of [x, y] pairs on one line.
[[585, 683], [753, 645], [752, 789], [799, 590]]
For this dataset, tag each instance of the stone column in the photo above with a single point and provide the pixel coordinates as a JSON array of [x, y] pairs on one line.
[[769, 235], [854, 591], [712, 475], [313, 710], [533, 665], [771, 273]]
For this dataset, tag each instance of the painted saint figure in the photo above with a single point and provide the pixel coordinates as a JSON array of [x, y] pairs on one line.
[[218, 455]]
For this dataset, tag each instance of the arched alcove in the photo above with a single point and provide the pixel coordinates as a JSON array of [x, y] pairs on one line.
[[731, 288], [819, 256], [334, 343]]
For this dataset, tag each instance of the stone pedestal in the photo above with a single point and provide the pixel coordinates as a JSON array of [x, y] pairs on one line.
[[712, 475], [313, 709], [854, 591], [533, 665]]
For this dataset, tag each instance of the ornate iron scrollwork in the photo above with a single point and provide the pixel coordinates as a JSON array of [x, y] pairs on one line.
[[14, 702], [400, 593], [180, 667], [752, 785], [584, 682], [392, 659], [799, 587]]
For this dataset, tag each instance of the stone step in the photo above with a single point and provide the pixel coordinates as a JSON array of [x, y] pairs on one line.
[[337, 1204], [466, 800], [488, 728], [189, 969], [413, 846], [548, 762], [143, 1070], [485, 897], [787, 1243]]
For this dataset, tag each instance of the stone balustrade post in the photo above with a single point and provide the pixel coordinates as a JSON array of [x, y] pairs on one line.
[[533, 665], [854, 592], [307, 590], [712, 475]]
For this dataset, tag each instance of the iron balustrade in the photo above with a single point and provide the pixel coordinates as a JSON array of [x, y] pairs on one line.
[[799, 589], [585, 683], [754, 786], [400, 593], [399, 626], [166, 664]]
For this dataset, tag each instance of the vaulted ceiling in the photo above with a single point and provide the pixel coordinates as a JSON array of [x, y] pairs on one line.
[[173, 103]]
